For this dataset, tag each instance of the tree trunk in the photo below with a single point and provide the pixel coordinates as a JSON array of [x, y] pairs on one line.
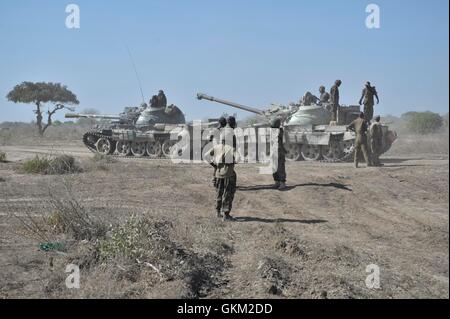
[[39, 119]]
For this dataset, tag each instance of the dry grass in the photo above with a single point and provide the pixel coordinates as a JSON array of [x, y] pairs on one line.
[[129, 259]]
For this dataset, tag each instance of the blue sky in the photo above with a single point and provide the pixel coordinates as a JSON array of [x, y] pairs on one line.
[[254, 52]]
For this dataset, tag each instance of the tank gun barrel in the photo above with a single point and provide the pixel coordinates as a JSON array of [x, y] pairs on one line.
[[91, 116], [202, 96]]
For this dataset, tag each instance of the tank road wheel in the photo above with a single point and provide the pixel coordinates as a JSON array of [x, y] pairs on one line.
[[310, 152], [123, 148], [154, 149], [105, 146], [292, 151], [138, 149], [332, 152], [167, 147], [348, 149]]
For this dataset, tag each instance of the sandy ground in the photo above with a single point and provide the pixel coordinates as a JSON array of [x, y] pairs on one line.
[[317, 237]]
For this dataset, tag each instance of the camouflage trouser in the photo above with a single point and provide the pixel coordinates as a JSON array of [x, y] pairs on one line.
[[225, 189], [368, 112], [334, 111], [280, 174], [361, 146], [375, 150]]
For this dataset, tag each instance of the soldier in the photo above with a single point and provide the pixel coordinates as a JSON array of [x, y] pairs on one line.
[[309, 99], [280, 175], [224, 157], [220, 126], [162, 100], [359, 126], [334, 99], [324, 95], [154, 101], [376, 141], [368, 93]]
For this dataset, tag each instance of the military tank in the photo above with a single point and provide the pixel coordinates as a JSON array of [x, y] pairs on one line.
[[308, 133], [139, 132]]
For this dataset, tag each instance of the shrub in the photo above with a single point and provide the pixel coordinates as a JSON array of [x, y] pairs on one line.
[[63, 164], [2, 157], [423, 122], [144, 240], [70, 217]]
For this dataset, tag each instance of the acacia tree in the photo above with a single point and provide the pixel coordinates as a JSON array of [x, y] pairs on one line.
[[40, 93]]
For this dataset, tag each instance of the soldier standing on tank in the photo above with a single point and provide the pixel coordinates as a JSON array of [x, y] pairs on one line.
[[324, 95], [334, 99], [162, 100], [224, 157], [368, 94], [376, 141], [280, 175], [359, 126]]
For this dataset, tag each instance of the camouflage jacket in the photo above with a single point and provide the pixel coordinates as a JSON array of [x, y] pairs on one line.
[[334, 95]]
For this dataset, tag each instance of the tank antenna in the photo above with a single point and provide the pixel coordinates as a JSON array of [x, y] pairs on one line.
[[136, 72]]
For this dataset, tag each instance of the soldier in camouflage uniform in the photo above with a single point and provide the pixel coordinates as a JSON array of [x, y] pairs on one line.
[[376, 141], [308, 99], [162, 100], [280, 175], [359, 126], [324, 95], [215, 139], [154, 101], [368, 94], [224, 157], [334, 99]]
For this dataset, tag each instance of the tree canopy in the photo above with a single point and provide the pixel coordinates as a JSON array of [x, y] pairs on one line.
[[41, 92], [423, 122]]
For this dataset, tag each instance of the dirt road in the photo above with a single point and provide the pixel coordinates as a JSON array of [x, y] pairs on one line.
[[313, 240]]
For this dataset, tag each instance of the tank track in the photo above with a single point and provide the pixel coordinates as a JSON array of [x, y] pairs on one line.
[[345, 159], [93, 149]]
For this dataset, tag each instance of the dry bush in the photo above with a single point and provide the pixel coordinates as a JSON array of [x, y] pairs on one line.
[[71, 218], [2, 157], [145, 241], [67, 218], [62, 164]]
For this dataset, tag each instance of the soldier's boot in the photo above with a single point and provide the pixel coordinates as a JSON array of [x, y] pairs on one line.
[[227, 217], [219, 214], [276, 185], [282, 186]]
